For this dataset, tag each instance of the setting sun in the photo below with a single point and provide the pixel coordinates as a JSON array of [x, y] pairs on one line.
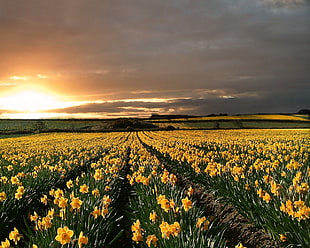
[[32, 103]]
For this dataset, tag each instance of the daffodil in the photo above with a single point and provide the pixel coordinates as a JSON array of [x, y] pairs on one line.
[[5, 244], [14, 235], [96, 192], [14, 180], [153, 216], [76, 203], [136, 231], [187, 204], [282, 237], [203, 223], [82, 240], [34, 217], [43, 199], [151, 239], [167, 229], [63, 202], [190, 191], [18, 195], [69, 184], [84, 188], [64, 235], [96, 212], [46, 222], [2, 196]]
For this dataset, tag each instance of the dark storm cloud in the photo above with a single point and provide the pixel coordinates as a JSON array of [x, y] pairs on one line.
[[254, 51], [203, 102]]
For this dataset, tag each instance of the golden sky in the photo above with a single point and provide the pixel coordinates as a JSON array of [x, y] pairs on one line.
[[103, 59]]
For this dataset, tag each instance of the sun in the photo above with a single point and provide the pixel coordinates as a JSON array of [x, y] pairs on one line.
[[30, 101], [35, 102]]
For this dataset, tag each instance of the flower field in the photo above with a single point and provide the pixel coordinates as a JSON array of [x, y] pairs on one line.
[[126, 189]]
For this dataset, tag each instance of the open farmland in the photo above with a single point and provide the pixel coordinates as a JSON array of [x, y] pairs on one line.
[[235, 121], [29, 126], [186, 188]]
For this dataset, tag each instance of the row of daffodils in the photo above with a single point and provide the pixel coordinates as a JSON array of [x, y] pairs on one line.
[[164, 214], [60, 190], [265, 174], [114, 189]]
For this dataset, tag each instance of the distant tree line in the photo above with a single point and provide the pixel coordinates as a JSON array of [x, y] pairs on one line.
[[304, 112], [124, 123]]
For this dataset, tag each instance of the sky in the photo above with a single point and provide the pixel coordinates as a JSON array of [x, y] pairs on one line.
[[133, 58]]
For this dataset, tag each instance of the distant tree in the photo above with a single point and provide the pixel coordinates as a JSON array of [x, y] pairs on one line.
[[155, 116], [39, 126], [304, 112], [238, 123], [128, 123], [216, 125], [170, 127]]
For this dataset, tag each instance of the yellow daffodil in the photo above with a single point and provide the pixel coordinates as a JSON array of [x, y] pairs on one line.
[[153, 216], [203, 223], [76, 203], [69, 184], [84, 189], [5, 244], [2, 196], [14, 235], [96, 192], [151, 239], [96, 212], [64, 235], [187, 204], [283, 238], [43, 199], [137, 231], [82, 240], [34, 217]]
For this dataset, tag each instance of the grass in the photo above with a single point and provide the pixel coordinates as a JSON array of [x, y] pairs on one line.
[[238, 121], [16, 126], [275, 124], [282, 117]]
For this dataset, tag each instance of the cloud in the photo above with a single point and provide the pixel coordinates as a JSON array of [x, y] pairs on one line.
[[178, 49], [285, 3], [2, 84], [214, 101]]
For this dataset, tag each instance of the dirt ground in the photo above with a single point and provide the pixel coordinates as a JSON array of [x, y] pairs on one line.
[[239, 229]]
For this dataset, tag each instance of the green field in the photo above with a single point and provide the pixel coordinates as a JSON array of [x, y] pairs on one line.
[[236, 122], [17, 126]]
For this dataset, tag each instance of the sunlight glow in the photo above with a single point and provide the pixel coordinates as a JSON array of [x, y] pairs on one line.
[[41, 76], [30, 101], [24, 78], [33, 102]]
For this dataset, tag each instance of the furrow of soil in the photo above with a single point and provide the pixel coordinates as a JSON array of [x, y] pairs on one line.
[[239, 229], [121, 204]]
